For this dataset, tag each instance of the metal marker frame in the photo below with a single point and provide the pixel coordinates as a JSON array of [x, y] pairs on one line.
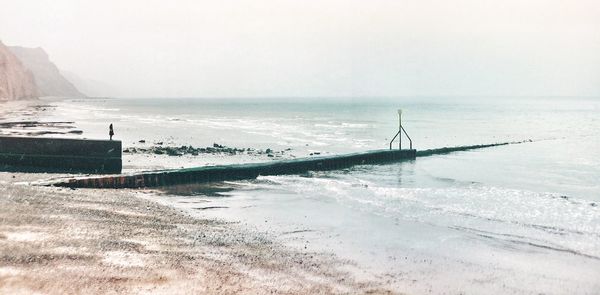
[[399, 134]]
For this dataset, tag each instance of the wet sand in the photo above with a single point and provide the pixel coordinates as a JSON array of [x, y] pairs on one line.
[[63, 241], [20, 118]]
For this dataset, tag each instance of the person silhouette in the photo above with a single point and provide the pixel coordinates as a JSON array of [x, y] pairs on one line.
[[111, 132]]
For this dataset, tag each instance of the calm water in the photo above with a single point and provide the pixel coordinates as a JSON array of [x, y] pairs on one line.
[[520, 218]]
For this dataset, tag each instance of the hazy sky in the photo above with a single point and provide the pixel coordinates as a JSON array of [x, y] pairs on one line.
[[152, 48]]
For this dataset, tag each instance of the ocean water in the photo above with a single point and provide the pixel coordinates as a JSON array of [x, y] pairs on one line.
[[521, 218]]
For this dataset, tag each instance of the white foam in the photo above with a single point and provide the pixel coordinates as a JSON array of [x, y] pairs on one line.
[[533, 215]]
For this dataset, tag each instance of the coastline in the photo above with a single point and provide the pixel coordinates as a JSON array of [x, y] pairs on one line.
[[87, 241], [9, 106], [441, 224], [59, 241]]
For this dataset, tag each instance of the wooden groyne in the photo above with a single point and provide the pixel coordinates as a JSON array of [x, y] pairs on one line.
[[252, 170], [238, 171], [447, 150], [35, 154]]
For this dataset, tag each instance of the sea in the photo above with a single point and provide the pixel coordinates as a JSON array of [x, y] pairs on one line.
[[520, 218]]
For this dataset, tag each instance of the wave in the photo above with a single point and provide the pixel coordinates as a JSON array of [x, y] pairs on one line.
[[523, 241], [540, 218]]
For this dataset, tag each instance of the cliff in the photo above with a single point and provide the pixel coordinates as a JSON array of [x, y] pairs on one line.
[[91, 88], [16, 81], [49, 80]]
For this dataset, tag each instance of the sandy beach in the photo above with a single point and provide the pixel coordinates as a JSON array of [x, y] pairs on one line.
[[63, 241], [440, 224], [300, 147]]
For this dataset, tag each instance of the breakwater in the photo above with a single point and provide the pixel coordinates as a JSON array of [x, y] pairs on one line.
[[60, 155], [238, 171], [250, 171], [447, 150]]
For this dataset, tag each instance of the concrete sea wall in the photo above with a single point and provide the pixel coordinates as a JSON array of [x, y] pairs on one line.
[[60, 155]]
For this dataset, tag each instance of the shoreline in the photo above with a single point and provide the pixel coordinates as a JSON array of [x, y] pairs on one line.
[[79, 241], [21, 118], [57, 240], [415, 227]]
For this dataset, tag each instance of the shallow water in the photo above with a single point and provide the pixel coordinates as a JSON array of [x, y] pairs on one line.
[[522, 218]]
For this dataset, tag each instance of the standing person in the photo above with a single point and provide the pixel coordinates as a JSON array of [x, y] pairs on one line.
[[111, 132]]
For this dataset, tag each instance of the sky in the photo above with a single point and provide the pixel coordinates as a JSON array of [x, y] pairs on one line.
[[320, 48]]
